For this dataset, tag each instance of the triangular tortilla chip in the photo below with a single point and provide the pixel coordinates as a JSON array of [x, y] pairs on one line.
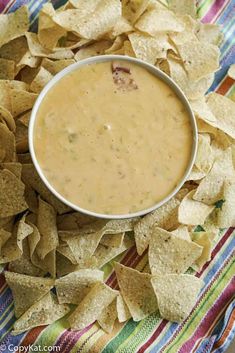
[[171, 254], [183, 7], [7, 144], [26, 290], [4, 236], [137, 291], [76, 285], [122, 309], [43, 312], [133, 9], [7, 69], [56, 66], [182, 232], [46, 224], [40, 80], [12, 199], [226, 216], [203, 239], [90, 309], [108, 317], [176, 295]]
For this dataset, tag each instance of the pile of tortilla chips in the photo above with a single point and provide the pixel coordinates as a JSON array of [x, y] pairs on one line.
[[45, 243]]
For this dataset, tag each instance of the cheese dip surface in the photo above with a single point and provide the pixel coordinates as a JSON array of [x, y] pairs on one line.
[[112, 138]]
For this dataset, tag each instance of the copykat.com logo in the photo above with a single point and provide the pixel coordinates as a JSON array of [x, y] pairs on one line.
[[30, 348]]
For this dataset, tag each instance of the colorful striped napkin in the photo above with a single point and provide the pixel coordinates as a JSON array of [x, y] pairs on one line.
[[211, 325]]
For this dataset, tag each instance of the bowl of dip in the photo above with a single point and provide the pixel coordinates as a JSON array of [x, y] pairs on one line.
[[113, 137]]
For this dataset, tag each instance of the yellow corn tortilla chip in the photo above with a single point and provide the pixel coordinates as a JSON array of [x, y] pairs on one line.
[[14, 50], [170, 254], [71, 221], [7, 118], [91, 307], [48, 31], [176, 295], [200, 59], [165, 217], [123, 312], [193, 212], [4, 236], [26, 290], [127, 48], [203, 239], [21, 136], [159, 20], [21, 101], [210, 189], [13, 25], [133, 9], [114, 240], [209, 33], [231, 71], [137, 291], [24, 118], [192, 89], [226, 216], [92, 25], [24, 266], [203, 112], [76, 285], [56, 66], [46, 223], [65, 250], [120, 27], [12, 194], [28, 60], [7, 69], [7, 144], [148, 48], [36, 49], [108, 317], [205, 157], [183, 7], [30, 177], [117, 44], [97, 48], [43, 312], [40, 80], [223, 110], [182, 232]]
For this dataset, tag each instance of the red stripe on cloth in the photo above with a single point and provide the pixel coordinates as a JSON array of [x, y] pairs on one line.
[[204, 326], [3, 4], [227, 331], [31, 337], [217, 6], [225, 86], [154, 336]]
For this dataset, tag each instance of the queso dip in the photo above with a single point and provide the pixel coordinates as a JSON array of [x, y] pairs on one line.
[[112, 138]]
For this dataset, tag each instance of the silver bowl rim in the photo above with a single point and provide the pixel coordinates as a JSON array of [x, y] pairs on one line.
[[155, 71]]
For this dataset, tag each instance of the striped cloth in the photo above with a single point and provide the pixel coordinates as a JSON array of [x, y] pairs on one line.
[[211, 325]]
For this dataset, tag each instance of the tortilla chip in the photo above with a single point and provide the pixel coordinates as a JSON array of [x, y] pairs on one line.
[[210, 189], [43, 312], [148, 48], [203, 239], [200, 59], [159, 20], [7, 69], [226, 216], [170, 254], [7, 145], [133, 9], [209, 33], [97, 48], [24, 266], [176, 295], [13, 25], [231, 71], [26, 290], [223, 110], [36, 49], [205, 158], [56, 66], [137, 291], [40, 80], [12, 194], [108, 317], [30, 177], [120, 27], [48, 31], [202, 111], [4, 236], [185, 7], [123, 312], [165, 217], [93, 24], [192, 89], [74, 220], [22, 101], [193, 212], [76, 285], [28, 60], [46, 224], [182, 232], [7, 118], [65, 250], [117, 44], [21, 136], [115, 240], [91, 307], [14, 50]]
